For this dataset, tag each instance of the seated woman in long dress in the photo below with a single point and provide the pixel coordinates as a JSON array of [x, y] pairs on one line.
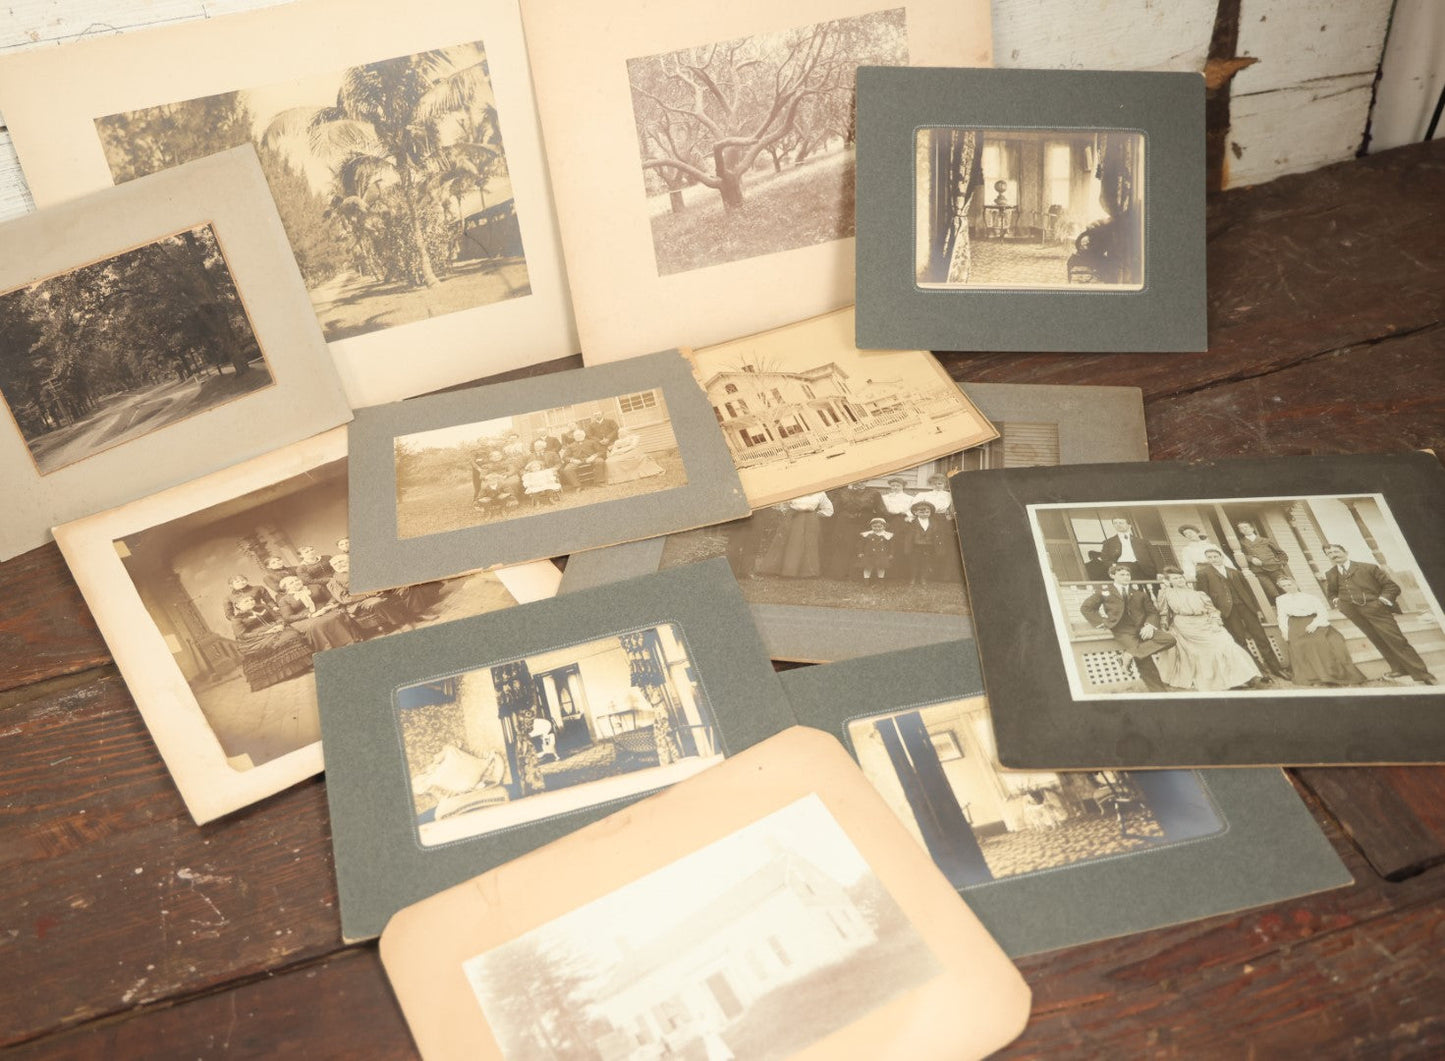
[[1206, 658], [271, 651], [626, 461], [313, 611], [1318, 654], [380, 610]]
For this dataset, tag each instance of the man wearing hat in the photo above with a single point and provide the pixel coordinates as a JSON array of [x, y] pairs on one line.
[[925, 540]]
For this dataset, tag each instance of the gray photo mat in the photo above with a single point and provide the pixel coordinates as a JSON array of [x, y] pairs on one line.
[[382, 560], [381, 866], [1037, 723], [227, 191], [1096, 425], [1270, 850], [1167, 315]]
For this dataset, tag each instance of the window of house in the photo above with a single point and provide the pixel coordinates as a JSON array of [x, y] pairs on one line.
[[717, 413], [807, 390], [731, 388], [777, 396], [777, 945], [1057, 159], [635, 403]]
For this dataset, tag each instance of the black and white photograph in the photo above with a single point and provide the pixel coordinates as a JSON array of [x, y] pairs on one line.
[[1238, 597], [937, 767], [756, 946], [885, 543], [390, 177], [247, 591], [108, 352], [527, 464], [1029, 209], [747, 144], [509, 743]]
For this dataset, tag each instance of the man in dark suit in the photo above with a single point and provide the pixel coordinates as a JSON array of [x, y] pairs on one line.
[[1126, 547], [1127, 611], [602, 429], [1263, 557], [1231, 594], [1368, 597]]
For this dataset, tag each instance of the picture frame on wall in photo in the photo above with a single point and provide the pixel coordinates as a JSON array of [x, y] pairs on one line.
[[1058, 210], [1049, 860], [403, 155], [859, 594], [532, 468], [1281, 611], [702, 157], [215, 597], [150, 334], [454, 749]]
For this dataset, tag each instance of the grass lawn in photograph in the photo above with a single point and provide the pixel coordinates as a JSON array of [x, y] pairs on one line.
[[440, 505], [349, 305], [799, 207]]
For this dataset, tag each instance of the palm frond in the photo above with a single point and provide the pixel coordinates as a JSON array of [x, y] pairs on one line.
[[460, 92], [337, 141]]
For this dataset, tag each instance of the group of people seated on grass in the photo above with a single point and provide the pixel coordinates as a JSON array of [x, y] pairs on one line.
[[593, 452], [302, 608]]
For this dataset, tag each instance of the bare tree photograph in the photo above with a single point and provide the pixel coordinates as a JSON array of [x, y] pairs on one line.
[[756, 946], [534, 463], [552, 732], [747, 144], [1029, 208], [247, 591], [390, 179], [938, 769], [111, 351]]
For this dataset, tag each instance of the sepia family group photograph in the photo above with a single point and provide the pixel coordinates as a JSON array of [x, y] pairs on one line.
[[1250, 596], [111, 351], [530, 463], [513, 742], [390, 178]]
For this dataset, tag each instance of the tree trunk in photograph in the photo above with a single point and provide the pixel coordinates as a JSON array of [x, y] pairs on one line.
[[217, 320], [426, 275], [730, 184], [674, 197]]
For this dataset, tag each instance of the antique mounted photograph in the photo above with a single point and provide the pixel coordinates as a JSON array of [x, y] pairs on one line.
[[1047, 859], [803, 410], [116, 349], [1057, 210], [874, 564], [1029, 208], [1245, 596], [1265, 611], [403, 156], [151, 334], [390, 178], [548, 460], [937, 768], [512, 742], [747, 144], [511, 472], [215, 598], [705, 189], [744, 948]]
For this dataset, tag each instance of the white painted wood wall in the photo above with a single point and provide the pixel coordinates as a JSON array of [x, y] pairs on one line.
[[1304, 104]]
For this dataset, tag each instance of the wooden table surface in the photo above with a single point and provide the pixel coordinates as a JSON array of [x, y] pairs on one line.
[[126, 931]]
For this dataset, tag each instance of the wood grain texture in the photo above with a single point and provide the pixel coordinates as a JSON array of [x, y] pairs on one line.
[[1296, 129], [45, 629], [1395, 815], [1120, 35], [15, 200]]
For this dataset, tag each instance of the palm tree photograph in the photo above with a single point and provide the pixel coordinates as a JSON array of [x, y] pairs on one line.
[[390, 179]]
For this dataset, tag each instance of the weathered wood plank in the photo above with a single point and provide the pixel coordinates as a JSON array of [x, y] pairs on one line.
[[113, 897], [45, 629], [1121, 35], [1395, 815], [1309, 40], [15, 198], [1296, 129], [1297, 267]]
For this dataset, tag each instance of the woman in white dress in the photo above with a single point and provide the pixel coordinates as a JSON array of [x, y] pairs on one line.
[[1318, 654], [1206, 658], [1191, 554]]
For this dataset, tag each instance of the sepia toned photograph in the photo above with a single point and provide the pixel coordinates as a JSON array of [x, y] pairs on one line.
[[747, 144], [245, 592], [109, 352], [756, 946], [938, 769], [390, 177], [886, 543], [1238, 597], [1039, 209], [534, 463], [802, 409], [556, 731]]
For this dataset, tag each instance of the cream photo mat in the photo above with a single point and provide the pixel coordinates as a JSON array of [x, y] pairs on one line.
[[60, 152], [579, 65], [228, 192], [977, 989], [829, 338], [192, 753]]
